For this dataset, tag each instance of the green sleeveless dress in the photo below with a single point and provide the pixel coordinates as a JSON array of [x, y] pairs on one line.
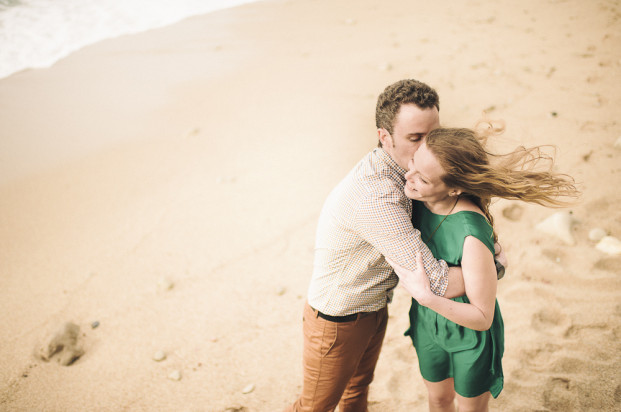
[[444, 348]]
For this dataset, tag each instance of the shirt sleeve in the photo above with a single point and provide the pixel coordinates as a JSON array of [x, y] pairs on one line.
[[383, 220]]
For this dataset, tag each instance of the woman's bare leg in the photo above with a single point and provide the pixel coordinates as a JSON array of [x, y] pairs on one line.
[[476, 404], [441, 395]]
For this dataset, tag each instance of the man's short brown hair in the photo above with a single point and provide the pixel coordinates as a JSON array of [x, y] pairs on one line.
[[403, 92]]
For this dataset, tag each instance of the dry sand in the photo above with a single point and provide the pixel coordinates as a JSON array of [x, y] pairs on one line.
[[200, 155]]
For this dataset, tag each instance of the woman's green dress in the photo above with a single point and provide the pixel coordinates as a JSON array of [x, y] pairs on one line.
[[444, 348]]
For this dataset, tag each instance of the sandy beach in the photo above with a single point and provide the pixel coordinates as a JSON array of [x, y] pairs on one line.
[[161, 191]]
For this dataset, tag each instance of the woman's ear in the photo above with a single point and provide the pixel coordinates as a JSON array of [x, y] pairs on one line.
[[455, 192]]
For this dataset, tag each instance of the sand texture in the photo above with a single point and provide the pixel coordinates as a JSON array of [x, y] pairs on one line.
[[160, 192]]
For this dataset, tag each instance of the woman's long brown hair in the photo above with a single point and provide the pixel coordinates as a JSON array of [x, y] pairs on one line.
[[523, 174]]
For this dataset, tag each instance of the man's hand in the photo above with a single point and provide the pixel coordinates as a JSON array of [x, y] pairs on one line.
[[501, 260], [415, 282]]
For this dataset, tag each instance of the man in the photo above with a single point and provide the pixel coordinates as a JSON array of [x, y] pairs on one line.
[[366, 217]]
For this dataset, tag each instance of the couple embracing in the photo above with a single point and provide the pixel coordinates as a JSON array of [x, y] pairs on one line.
[[415, 210]]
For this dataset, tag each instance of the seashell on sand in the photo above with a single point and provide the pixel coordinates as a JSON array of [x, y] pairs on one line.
[[248, 388], [618, 143], [559, 226], [596, 234], [610, 245]]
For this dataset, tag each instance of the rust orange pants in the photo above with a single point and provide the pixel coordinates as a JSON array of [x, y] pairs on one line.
[[339, 360]]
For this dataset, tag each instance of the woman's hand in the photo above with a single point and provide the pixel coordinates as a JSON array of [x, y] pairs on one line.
[[416, 281]]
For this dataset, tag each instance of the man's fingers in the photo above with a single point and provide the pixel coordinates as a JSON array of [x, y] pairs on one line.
[[497, 248], [419, 261], [502, 258]]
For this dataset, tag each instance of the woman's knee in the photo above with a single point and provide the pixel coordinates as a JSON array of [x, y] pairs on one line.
[[476, 404], [441, 399]]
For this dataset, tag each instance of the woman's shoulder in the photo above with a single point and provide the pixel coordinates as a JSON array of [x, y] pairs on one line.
[[475, 222], [466, 205]]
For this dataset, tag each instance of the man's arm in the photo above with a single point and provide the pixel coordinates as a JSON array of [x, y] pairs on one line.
[[481, 282], [383, 221], [456, 286]]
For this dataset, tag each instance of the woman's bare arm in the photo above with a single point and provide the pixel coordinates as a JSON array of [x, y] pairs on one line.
[[480, 281]]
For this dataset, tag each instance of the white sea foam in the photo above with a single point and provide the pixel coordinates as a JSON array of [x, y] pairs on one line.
[[38, 33]]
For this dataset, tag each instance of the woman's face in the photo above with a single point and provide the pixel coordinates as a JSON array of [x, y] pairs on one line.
[[423, 178]]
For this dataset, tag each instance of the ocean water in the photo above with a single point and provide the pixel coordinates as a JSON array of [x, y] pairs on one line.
[[38, 33]]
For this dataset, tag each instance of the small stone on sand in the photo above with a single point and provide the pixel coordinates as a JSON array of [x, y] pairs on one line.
[[175, 375], [236, 408], [159, 356], [165, 284], [248, 388], [596, 234], [587, 156], [610, 245], [618, 143], [194, 132], [385, 67], [95, 324], [559, 226]]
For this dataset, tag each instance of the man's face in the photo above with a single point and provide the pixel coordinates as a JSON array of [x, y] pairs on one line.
[[412, 124]]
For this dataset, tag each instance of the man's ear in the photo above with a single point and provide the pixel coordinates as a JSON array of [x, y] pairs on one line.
[[384, 137]]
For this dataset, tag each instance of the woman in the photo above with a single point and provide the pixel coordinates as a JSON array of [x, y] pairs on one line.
[[460, 341]]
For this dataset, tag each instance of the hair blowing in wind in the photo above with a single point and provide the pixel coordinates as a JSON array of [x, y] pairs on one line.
[[524, 174]]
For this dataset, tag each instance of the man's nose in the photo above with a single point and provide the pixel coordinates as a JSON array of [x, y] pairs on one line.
[[410, 165]]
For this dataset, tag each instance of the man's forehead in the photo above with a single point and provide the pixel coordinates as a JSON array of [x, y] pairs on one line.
[[413, 117]]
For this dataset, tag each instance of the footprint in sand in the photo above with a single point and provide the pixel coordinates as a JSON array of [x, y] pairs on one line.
[[400, 356], [65, 345], [561, 393], [607, 264], [513, 212], [568, 364], [555, 255], [540, 358], [404, 352], [394, 384], [581, 331], [599, 209], [603, 337], [551, 321], [557, 394]]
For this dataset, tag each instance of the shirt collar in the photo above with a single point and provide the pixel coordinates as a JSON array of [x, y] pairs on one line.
[[385, 157]]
